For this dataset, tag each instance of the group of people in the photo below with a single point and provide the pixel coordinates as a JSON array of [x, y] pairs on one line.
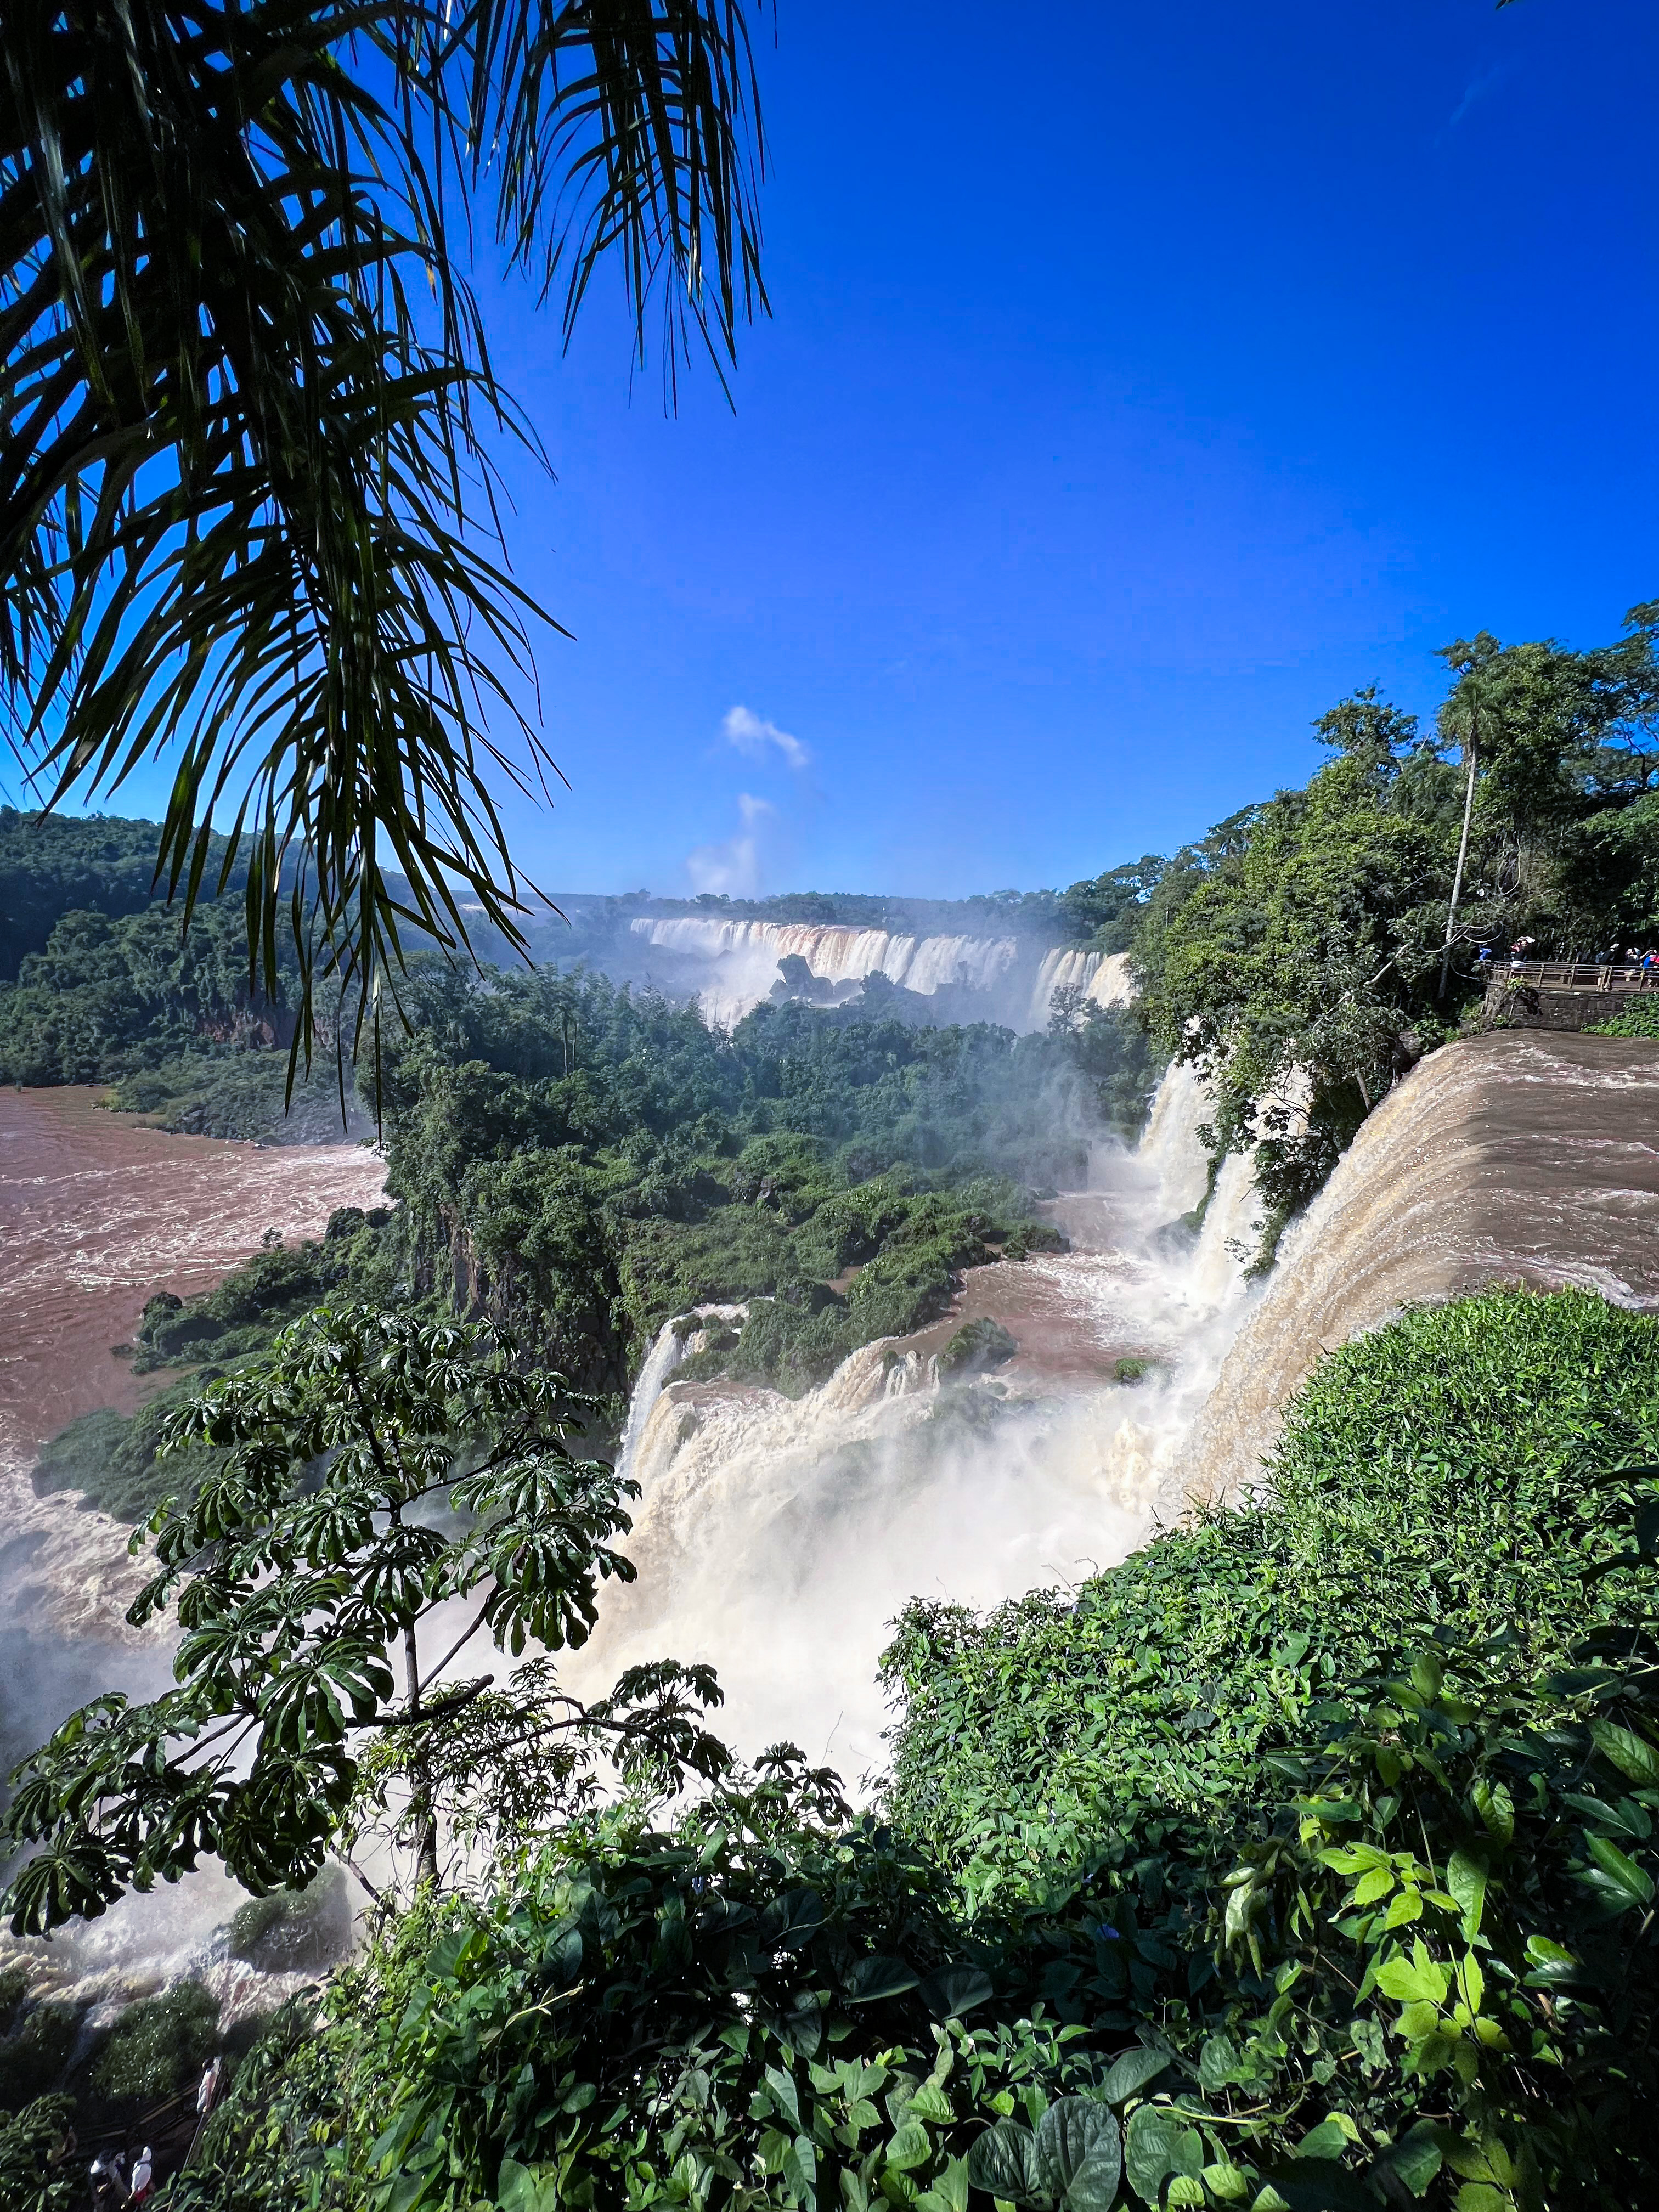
[[113, 2188], [1615, 956]]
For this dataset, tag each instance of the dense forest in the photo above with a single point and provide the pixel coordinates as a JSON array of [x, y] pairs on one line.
[[1306, 1860]]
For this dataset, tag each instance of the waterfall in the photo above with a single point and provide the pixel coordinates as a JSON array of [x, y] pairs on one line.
[[1522, 1156], [1169, 1144], [776, 1537], [672, 1345], [733, 965]]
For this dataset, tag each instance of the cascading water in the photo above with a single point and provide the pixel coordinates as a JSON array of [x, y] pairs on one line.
[[98, 1213], [733, 965], [776, 1537], [1522, 1156]]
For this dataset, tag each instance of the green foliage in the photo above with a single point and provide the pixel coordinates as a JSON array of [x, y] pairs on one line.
[[1297, 952], [1432, 1475], [105, 996], [158, 2046], [374, 1469], [36, 2051], [586, 1161], [40, 2171], [51, 865], [977, 1347], [245, 1096], [1375, 1927], [1638, 1019]]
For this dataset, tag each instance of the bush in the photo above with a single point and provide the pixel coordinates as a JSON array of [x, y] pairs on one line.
[[1639, 1019], [1434, 1474], [33, 2056], [977, 1347], [158, 2046]]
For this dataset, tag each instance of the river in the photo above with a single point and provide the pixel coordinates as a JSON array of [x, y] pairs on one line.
[[97, 1213]]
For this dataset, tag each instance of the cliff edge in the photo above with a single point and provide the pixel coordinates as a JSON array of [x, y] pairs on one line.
[[1522, 1156]]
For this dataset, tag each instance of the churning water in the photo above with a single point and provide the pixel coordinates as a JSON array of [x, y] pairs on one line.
[[777, 1538]]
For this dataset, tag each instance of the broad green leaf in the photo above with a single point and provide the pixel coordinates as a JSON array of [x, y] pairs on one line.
[[1623, 1875], [785, 2096], [521, 2189], [1427, 1674], [1157, 2145], [931, 2103], [1075, 2131], [871, 1979], [1228, 2182], [1416, 1980], [954, 1991], [1329, 2140], [1130, 2072], [1466, 1878], [950, 2189], [1493, 1802], [908, 2146], [1628, 1751], [1417, 2157], [1000, 2161]]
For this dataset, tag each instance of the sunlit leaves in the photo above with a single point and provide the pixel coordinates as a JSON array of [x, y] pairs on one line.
[[376, 1468]]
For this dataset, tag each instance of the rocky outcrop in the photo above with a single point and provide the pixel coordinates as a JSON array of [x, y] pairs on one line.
[[1525, 1157]]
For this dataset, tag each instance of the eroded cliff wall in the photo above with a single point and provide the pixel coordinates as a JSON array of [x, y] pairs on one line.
[[1522, 1156]]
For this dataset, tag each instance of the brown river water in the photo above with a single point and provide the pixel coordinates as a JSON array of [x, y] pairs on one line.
[[97, 1213]]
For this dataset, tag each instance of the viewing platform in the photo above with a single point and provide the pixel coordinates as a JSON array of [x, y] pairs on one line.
[[1559, 994]]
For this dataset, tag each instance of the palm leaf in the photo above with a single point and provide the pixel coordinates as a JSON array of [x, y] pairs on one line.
[[248, 511]]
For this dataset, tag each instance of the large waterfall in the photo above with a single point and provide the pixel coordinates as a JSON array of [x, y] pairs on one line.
[[777, 1538], [1522, 1156], [733, 965]]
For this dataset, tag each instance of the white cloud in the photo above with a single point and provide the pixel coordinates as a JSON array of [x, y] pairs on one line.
[[752, 736], [753, 810]]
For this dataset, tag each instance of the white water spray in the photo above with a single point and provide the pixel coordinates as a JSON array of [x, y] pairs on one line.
[[778, 1538]]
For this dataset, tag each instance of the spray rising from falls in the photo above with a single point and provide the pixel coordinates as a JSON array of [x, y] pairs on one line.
[[733, 965], [777, 1538]]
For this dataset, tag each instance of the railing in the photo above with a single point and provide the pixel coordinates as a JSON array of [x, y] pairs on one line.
[[1568, 976]]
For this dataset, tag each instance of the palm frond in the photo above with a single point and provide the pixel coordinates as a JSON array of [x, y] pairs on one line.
[[248, 514]]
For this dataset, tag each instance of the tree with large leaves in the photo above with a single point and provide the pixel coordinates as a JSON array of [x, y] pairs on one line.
[[249, 421], [381, 1479]]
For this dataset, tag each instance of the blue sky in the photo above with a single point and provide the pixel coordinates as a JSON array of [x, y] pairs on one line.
[[1139, 380]]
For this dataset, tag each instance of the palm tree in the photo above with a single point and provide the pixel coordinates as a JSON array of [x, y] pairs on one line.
[[248, 417]]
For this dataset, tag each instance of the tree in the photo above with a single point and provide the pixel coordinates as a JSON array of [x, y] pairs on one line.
[[376, 1469], [246, 405]]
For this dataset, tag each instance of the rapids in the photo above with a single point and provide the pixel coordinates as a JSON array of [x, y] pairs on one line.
[[777, 1538], [96, 1213]]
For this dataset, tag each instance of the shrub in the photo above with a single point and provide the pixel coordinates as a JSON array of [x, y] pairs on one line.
[[160, 2045]]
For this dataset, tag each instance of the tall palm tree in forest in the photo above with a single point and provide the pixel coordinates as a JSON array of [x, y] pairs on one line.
[[248, 416]]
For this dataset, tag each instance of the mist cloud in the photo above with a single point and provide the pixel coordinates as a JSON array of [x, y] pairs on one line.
[[733, 867], [756, 738]]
